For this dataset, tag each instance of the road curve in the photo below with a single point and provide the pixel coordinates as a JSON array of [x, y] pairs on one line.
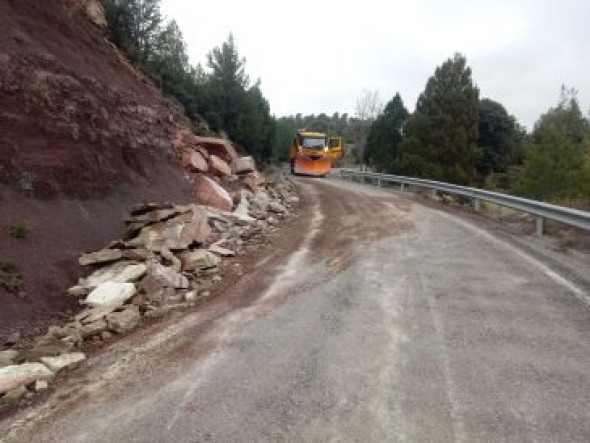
[[377, 319]]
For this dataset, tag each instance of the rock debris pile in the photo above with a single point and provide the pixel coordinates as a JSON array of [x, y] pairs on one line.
[[168, 257]]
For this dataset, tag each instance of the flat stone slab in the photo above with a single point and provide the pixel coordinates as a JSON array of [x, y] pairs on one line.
[[63, 361], [110, 294], [13, 376]]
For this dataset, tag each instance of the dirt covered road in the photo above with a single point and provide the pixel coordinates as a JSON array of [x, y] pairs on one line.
[[373, 319]]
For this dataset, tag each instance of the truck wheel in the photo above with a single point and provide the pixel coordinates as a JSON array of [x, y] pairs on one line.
[[293, 167]]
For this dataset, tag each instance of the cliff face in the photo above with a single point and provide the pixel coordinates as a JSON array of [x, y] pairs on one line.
[[82, 137]]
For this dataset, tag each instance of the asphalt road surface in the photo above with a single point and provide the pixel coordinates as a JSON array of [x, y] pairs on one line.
[[375, 319]]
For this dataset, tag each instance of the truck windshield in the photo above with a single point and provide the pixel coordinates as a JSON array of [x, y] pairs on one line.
[[313, 142]]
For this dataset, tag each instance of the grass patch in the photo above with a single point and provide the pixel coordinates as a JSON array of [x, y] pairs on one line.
[[18, 229]]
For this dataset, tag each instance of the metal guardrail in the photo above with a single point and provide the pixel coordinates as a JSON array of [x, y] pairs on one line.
[[541, 210]]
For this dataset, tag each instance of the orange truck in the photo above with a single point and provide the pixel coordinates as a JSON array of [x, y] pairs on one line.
[[313, 153]]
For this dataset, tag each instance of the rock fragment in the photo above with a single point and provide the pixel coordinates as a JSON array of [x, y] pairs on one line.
[[125, 320], [218, 167], [102, 256], [56, 364], [110, 294], [168, 277], [207, 192], [13, 376], [198, 259]]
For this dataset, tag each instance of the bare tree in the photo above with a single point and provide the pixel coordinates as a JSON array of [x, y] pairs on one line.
[[369, 105], [367, 109]]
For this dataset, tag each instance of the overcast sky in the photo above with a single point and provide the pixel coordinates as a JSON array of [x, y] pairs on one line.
[[317, 56]]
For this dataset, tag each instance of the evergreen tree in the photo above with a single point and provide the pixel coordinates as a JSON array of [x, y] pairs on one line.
[[231, 104], [556, 166], [134, 26], [382, 150], [441, 135], [500, 137]]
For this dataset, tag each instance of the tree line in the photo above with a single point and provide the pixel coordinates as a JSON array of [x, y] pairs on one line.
[[219, 97], [455, 136]]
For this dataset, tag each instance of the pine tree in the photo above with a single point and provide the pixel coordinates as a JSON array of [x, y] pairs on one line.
[[442, 133], [383, 148]]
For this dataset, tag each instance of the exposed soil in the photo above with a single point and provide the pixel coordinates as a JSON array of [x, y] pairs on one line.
[[84, 136]]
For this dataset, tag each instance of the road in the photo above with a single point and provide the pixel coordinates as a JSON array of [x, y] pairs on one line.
[[375, 319]]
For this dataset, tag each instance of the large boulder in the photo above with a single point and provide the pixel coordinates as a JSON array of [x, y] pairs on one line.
[[13, 376], [121, 272], [218, 166], [194, 161], [176, 233], [245, 165], [110, 294], [209, 193], [220, 147]]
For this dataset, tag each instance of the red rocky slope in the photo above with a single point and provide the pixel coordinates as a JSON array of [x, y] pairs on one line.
[[83, 136]]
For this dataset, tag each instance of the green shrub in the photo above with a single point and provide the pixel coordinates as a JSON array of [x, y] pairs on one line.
[[18, 229]]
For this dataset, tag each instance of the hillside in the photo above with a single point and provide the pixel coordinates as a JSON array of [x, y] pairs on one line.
[[84, 137]]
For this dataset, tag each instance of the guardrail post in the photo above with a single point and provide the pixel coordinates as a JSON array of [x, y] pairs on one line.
[[379, 182], [539, 225], [402, 187], [477, 204]]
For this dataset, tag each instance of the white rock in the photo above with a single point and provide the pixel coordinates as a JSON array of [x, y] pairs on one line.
[[245, 164], [11, 377], [110, 294], [63, 361], [78, 291], [41, 385], [243, 209], [121, 272], [190, 296]]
